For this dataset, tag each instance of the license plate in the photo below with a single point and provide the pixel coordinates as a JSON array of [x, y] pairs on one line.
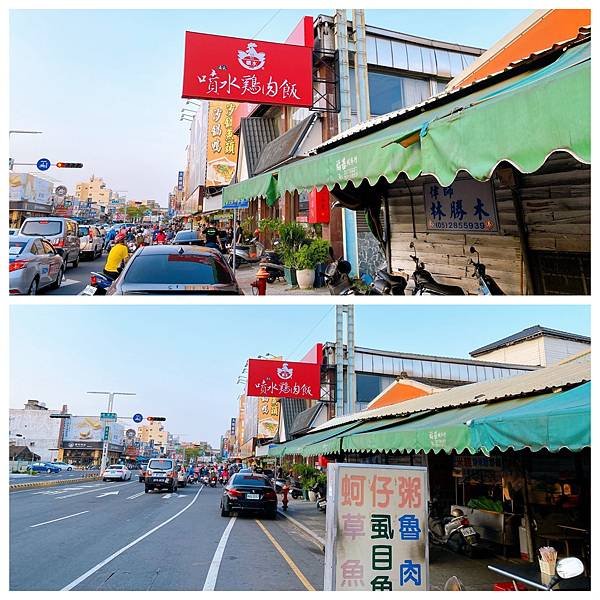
[[159, 480], [198, 288], [89, 290], [467, 531], [253, 496]]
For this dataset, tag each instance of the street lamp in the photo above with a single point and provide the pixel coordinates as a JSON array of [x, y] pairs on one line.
[[105, 442], [194, 103]]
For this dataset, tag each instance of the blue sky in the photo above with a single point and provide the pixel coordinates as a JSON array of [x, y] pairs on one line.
[[183, 360], [105, 85]]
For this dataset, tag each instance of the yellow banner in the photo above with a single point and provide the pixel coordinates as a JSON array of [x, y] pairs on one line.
[[221, 152]]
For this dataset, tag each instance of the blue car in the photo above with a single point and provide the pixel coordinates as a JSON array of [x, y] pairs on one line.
[[44, 467]]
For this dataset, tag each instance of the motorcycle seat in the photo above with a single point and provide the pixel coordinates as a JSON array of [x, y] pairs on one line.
[[441, 289], [393, 279]]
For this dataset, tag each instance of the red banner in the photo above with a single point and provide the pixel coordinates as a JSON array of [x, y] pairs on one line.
[[217, 67], [281, 379]]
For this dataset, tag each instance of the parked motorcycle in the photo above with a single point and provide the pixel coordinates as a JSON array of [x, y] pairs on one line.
[[426, 285], [454, 532], [566, 568], [320, 491], [338, 279], [487, 285], [244, 254], [386, 284], [271, 262]]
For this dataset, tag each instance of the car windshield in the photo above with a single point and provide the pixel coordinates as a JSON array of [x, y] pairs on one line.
[[15, 248], [255, 480], [163, 465], [83, 230], [42, 227], [177, 269], [116, 467]]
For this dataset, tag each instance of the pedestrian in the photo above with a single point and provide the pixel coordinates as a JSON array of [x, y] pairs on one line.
[[239, 233]]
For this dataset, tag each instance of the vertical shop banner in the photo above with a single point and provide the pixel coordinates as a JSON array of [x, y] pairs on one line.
[[284, 379], [376, 528], [221, 151], [244, 70], [466, 205], [268, 417]]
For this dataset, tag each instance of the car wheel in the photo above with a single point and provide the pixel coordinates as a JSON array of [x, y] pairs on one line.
[[48, 470], [33, 288], [272, 514], [58, 282], [146, 489], [76, 262], [69, 468], [225, 512], [104, 479]]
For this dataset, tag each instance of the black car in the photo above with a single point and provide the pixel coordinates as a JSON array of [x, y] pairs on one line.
[[175, 270], [249, 492], [187, 237]]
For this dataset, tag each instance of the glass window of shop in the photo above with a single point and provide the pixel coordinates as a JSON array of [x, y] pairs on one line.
[[384, 52]]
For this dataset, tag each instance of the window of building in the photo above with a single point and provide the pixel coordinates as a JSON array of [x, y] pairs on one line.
[[467, 59], [399, 55], [367, 387], [456, 65], [384, 52], [415, 61], [442, 58], [428, 57], [371, 50]]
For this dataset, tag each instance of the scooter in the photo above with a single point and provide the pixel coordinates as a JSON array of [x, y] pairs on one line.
[[271, 261], [212, 481], [566, 568], [321, 497], [338, 280], [426, 285], [454, 532], [487, 285], [243, 254], [98, 285], [386, 284]]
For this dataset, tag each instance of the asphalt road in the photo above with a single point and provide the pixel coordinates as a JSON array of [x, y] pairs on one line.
[[77, 278], [113, 536], [24, 478]]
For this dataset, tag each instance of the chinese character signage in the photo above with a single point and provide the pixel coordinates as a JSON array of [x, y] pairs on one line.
[[241, 70], [278, 379], [466, 205], [221, 149], [232, 430], [180, 181], [376, 528], [268, 417]]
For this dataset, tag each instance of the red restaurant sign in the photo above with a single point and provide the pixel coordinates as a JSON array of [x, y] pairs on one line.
[[280, 379], [217, 67]]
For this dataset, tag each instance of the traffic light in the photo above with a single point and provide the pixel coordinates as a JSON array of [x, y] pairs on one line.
[[66, 165], [156, 418]]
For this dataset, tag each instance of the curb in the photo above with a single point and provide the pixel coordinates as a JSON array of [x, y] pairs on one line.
[[315, 538], [33, 484]]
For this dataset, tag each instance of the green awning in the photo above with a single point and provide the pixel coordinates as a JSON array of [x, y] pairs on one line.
[[261, 186], [522, 120], [558, 421], [296, 446], [552, 421]]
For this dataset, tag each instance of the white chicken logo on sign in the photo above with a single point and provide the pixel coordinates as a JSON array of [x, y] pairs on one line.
[[285, 372], [251, 59]]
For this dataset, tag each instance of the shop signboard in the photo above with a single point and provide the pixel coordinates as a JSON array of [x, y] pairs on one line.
[[465, 205], [376, 527], [91, 429], [180, 181], [284, 379], [232, 430], [246, 70], [29, 188], [268, 417], [221, 148]]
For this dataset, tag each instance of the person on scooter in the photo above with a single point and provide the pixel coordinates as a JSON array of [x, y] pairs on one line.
[[161, 236], [110, 236], [117, 257]]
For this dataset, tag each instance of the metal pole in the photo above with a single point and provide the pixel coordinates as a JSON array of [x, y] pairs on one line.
[[339, 360], [351, 374], [360, 66], [234, 238]]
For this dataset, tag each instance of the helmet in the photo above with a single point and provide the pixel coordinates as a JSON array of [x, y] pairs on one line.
[[456, 512], [120, 237]]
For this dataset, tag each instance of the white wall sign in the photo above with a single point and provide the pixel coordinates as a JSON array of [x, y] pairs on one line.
[[376, 528]]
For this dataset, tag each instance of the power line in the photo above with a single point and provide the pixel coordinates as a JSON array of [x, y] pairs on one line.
[[276, 13], [311, 331]]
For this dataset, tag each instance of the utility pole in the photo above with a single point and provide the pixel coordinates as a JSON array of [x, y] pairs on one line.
[[106, 438]]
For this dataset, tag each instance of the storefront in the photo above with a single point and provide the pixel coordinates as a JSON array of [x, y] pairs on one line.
[[502, 164], [87, 454]]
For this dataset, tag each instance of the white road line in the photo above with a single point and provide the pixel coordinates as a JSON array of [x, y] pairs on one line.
[[213, 572], [87, 574], [61, 518], [94, 490], [135, 496], [166, 496], [66, 282]]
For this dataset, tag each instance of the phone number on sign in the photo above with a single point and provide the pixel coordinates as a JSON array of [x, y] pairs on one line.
[[459, 225]]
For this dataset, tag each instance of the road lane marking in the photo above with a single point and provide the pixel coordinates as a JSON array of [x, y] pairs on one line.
[[60, 519], [135, 496], [108, 494], [91, 491], [166, 496], [91, 571], [305, 582], [213, 571]]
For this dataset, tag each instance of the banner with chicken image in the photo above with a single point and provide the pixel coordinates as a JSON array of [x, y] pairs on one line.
[[283, 379]]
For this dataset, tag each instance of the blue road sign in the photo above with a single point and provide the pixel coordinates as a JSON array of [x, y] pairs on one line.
[[230, 204], [137, 418], [43, 164]]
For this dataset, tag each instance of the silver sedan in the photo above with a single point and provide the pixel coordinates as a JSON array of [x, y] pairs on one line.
[[33, 264]]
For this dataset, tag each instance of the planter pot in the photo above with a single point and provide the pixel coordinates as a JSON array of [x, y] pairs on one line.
[[312, 496], [290, 276], [306, 278], [305, 494]]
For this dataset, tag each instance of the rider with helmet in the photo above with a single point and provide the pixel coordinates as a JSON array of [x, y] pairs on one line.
[[117, 257]]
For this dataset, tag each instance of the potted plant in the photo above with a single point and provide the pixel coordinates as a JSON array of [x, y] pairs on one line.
[[291, 238], [307, 258]]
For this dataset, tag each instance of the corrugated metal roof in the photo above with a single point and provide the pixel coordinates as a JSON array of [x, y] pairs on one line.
[[447, 95], [256, 132], [530, 333], [570, 372], [303, 420]]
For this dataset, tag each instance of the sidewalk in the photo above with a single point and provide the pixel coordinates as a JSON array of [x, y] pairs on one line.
[[246, 274], [443, 564]]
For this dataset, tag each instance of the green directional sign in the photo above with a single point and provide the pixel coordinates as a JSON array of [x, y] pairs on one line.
[[106, 416]]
